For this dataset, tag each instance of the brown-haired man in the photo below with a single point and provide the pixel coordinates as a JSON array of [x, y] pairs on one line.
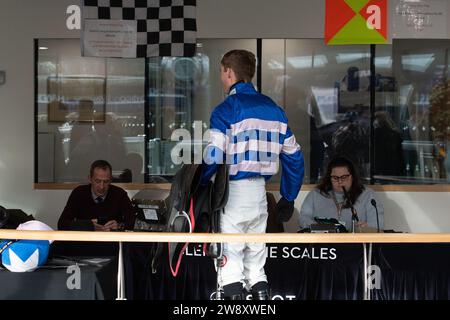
[[98, 205], [249, 132]]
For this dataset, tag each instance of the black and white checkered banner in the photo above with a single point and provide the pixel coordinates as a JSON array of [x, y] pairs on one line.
[[139, 28]]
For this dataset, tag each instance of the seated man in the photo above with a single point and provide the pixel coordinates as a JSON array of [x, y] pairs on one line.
[[99, 205]]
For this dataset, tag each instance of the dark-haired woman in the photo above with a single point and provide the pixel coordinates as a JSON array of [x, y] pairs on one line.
[[327, 200]]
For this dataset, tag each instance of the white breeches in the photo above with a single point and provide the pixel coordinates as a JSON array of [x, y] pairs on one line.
[[245, 212]]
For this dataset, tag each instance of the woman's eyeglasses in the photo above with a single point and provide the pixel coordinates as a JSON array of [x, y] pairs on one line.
[[340, 178]]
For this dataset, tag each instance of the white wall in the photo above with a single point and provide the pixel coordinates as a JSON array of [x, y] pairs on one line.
[[23, 20]]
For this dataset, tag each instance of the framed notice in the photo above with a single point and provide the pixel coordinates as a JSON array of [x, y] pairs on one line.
[[419, 19], [76, 98]]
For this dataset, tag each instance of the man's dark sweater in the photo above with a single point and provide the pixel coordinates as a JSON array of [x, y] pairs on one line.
[[81, 208]]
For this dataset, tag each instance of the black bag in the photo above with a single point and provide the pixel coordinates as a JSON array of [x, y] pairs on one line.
[[12, 218]]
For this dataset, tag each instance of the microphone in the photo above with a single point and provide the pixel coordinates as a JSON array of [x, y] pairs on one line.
[[345, 194], [374, 203], [354, 213]]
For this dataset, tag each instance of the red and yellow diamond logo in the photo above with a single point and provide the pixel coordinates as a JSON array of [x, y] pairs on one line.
[[356, 22]]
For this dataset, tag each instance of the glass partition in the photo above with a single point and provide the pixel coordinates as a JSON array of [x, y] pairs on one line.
[[182, 94], [127, 110], [326, 94], [412, 119], [95, 108], [88, 109]]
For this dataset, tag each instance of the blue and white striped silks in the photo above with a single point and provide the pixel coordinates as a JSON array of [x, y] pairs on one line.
[[250, 133], [25, 255]]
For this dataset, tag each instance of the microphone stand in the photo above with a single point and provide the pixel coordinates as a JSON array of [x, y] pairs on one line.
[[354, 213], [374, 203], [354, 218]]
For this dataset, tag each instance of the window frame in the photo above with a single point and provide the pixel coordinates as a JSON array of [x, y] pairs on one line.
[[419, 187]]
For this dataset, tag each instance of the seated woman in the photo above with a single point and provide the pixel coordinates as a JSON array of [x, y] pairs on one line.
[[327, 200]]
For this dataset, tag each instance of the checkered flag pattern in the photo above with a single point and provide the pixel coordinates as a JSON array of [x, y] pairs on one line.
[[164, 27]]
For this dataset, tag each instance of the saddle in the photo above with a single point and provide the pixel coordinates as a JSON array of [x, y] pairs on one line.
[[192, 207]]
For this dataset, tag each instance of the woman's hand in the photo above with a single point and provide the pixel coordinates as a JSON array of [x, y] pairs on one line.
[[362, 224]]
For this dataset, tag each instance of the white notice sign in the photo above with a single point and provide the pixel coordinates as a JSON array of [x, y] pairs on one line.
[[419, 19], [150, 214], [109, 38]]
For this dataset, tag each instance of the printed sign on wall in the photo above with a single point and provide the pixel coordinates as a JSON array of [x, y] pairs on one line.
[[109, 38], [356, 22], [420, 19]]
